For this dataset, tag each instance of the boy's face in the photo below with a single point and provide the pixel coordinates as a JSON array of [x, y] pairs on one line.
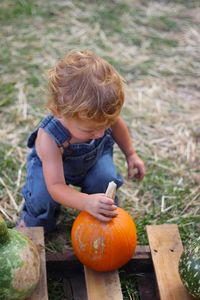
[[84, 130]]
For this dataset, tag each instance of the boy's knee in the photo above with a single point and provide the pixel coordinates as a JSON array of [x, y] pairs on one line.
[[40, 211], [99, 182], [104, 180], [30, 220]]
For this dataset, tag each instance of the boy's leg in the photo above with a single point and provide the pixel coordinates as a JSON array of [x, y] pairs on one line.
[[33, 218], [39, 208], [99, 176]]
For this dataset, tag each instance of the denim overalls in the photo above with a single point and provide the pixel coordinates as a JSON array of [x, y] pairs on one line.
[[87, 165]]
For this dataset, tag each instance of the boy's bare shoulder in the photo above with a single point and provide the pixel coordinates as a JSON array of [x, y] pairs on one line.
[[46, 147]]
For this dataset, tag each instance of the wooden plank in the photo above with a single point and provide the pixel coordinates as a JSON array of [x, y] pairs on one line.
[[147, 286], [103, 285], [36, 234], [74, 287], [66, 263], [166, 248], [142, 252], [67, 289]]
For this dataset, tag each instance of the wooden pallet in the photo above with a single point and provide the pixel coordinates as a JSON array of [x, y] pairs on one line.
[[155, 267], [86, 284]]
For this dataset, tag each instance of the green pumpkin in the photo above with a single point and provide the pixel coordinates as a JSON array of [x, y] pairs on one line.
[[19, 264], [189, 268]]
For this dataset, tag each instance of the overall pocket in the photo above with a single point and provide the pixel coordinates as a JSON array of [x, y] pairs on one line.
[[77, 166]]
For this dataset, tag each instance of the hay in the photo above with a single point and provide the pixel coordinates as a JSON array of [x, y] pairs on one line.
[[161, 68]]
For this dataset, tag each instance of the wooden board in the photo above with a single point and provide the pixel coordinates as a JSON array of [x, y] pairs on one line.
[[66, 263], [74, 287], [36, 234], [147, 287], [166, 248], [141, 252], [103, 285]]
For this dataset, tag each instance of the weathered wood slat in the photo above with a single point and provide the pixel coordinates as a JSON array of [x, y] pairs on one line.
[[36, 234], [142, 252], [66, 262], [74, 287], [103, 285], [147, 287], [68, 292], [166, 248]]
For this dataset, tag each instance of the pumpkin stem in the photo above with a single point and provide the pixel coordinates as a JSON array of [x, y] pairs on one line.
[[111, 190], [4, 234]]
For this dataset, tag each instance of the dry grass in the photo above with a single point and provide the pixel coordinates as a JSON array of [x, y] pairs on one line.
[[155, 46]]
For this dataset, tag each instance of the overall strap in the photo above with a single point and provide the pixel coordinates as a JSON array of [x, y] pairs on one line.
[[54, 128]]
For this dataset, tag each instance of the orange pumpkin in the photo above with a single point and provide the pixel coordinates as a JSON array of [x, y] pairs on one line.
[[104, 246]]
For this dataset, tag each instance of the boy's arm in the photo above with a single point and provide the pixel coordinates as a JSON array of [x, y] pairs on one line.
[[99, 205], [122, 137]]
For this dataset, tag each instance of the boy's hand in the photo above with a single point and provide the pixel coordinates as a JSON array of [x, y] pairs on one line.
[[134, 162], [101, 207]]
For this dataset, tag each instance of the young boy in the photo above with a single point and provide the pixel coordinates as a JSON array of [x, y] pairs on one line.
[[74, 144]]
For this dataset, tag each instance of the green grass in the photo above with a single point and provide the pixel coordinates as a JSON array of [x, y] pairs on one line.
[[159, 183], [16, 9], [55, 288], [8, 161], [145, 67], [6, 92], [158, 42], [129, 286], [108, 15], [164, 23]]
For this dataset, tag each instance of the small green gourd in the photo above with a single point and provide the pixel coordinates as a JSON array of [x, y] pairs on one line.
[[189, 268], [19, 264]]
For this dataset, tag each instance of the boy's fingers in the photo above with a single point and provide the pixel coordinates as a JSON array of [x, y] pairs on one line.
[[135, 172], [108, 213], [109, 207], [103, 218], [132, 172], [114, 206], [107, 200], [140, 174]]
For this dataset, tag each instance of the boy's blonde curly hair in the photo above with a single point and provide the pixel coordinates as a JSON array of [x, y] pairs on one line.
[[83, 85]]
